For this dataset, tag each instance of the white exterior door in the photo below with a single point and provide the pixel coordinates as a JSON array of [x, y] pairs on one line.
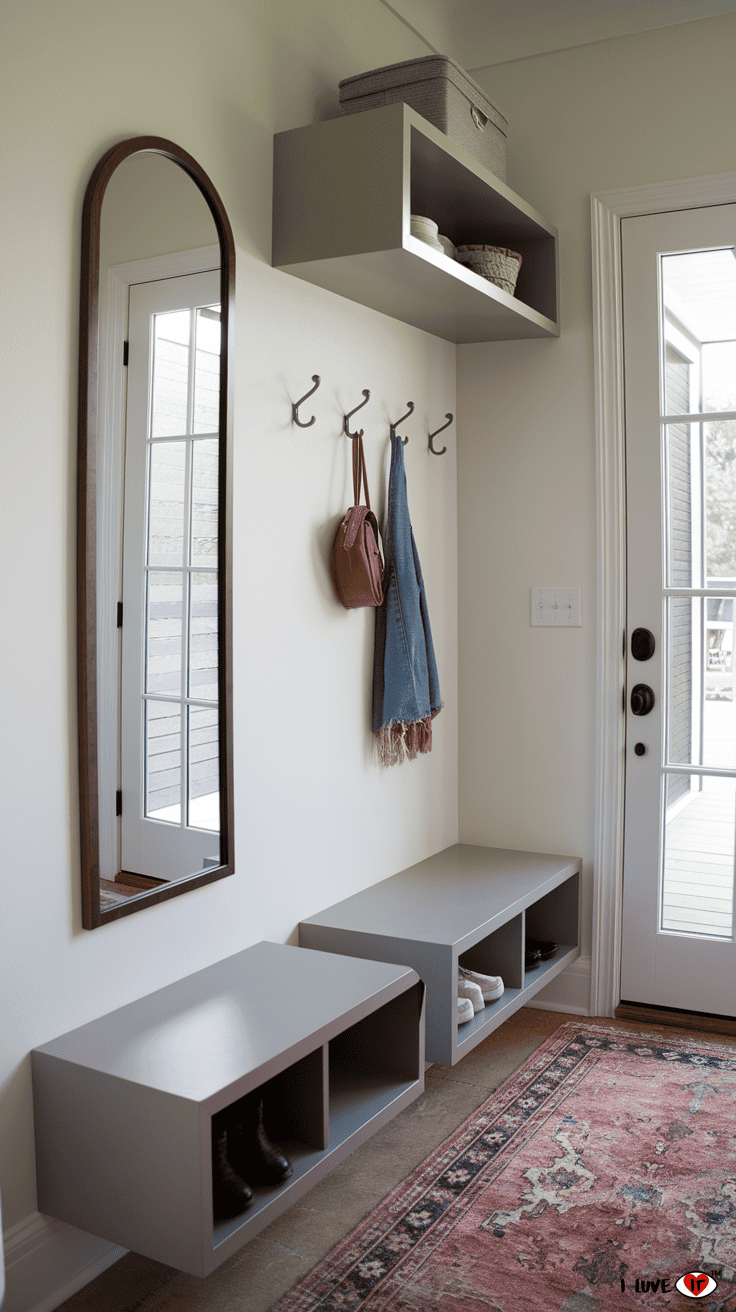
[[169, 689], [679, 293]]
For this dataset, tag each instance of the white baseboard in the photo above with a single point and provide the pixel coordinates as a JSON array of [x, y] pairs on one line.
[[47, 1261], [568, 992]]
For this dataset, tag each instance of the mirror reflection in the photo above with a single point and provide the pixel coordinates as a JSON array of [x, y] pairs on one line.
[[157, 531]]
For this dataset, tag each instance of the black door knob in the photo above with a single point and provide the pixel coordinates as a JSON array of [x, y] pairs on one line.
[[642, 644], [640, 749], [642, 699]]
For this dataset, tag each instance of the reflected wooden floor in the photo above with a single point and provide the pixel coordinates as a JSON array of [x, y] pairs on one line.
[[699, 866]]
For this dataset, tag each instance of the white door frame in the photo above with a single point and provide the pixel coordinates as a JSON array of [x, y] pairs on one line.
[[607, 210]]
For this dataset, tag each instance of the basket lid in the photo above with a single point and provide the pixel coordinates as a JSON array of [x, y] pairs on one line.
[[421, 70]]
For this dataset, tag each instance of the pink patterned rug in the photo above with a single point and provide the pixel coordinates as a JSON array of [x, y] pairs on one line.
[[596, 1177]]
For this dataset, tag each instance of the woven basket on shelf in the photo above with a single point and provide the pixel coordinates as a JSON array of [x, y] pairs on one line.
[[495, 263]]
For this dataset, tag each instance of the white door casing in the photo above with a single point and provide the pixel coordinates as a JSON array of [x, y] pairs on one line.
[[678, 950], [607, 210]]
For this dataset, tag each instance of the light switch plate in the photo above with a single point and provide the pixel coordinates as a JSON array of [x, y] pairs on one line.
[[556, 606]]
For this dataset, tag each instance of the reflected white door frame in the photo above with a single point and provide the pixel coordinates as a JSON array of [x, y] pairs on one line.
[[113, 335], [607, 211]]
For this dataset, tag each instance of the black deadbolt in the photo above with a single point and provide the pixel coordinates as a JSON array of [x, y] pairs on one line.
[[642, 644], [640, 749], [642, 699]]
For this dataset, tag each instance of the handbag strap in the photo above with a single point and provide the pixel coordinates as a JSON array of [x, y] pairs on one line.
[[359, 471]]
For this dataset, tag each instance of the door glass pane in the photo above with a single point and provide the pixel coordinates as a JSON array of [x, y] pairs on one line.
[[204, 769], [203, 636], [205, 457], [701, 712], [719, 442], [682, 483], [163, 760], [698, 861], [699, 295], [207, 370], [170, 383], [166, 503], [683, 681], [164, 612]]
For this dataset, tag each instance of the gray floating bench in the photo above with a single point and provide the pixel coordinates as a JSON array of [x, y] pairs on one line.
[[468, 905], [124, 1105]]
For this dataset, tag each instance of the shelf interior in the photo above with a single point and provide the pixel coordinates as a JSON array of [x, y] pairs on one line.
[[492, 1015], [532, 977], [470, 208], [499, 953], [372, 1063], [303, 1159], [356, 1100]]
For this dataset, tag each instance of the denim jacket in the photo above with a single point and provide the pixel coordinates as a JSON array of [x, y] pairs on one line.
[[406, 689]]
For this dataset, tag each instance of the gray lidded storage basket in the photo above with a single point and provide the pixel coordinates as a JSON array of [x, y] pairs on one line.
[[441, 91]]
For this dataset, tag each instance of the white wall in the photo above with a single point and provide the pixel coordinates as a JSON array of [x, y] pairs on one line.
[[641, 109], [315, 818]]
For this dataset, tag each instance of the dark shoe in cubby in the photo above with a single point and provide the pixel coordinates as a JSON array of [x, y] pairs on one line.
[[545, 947], [532, 958], [251, 1151], [230, 1193]]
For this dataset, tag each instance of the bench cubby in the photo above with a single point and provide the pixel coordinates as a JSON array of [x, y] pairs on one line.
[[470, 906], [124, 1105]]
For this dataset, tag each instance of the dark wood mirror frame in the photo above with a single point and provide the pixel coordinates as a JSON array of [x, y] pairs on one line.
[[92, 913]]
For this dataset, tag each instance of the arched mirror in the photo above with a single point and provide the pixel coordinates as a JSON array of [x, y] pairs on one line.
[[154, 529]]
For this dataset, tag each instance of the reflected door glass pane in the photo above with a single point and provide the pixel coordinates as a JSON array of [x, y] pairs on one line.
[[203, 751], [170, 382], [166, 502], [699, 295], [698, 860], [164, 615], [163, 732], [207, 371], [205, 458], [203, 636]]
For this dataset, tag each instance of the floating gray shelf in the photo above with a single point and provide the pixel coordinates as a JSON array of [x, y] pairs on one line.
[[466, 905], [124, 1105], [343, 194]]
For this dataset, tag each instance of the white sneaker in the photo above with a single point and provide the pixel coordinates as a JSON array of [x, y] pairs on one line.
[[464, 1011], [491, 986], [467, 989]]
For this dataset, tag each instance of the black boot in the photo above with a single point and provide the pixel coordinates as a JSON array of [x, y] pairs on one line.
[[252, 1152], [230, 1194]]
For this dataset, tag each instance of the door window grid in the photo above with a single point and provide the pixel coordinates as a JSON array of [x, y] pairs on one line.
[[698, 851], [181, 767]]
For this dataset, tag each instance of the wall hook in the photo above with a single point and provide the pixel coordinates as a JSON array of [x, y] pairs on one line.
[[393, 427], [448, 417], [305, 423], [345, 418]]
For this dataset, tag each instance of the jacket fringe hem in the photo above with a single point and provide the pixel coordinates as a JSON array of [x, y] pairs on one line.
[[400, 739]]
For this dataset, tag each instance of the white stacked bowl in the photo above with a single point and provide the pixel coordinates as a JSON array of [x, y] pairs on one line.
[[426, 230]]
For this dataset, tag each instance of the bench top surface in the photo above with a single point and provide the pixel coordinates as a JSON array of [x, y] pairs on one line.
[[451, 894], [240, 1015]]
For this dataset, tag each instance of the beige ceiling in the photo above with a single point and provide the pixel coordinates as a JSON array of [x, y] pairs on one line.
[[480, 33]]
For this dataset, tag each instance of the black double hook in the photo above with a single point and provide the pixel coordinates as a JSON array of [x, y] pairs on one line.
[[345, 418], [448, 417], [393, 427], [305, 423]]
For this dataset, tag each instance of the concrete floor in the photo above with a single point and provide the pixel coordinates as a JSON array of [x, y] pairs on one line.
[[272, 1263]]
